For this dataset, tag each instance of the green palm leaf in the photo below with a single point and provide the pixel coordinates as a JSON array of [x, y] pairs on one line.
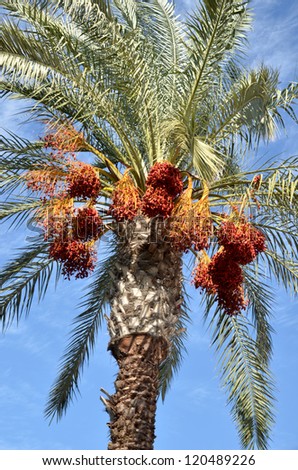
[[83, 337], [215, 30], [19, 210], [246, 379], [261, 306], [251, 104], [143, 87], [27, 275]]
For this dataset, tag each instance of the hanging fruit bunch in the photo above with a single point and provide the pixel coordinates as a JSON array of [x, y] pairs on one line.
[[222, 277], [240, 243], [190, 224], [255, 186], [56, 218], [126, 200], [72, 239], [63, 181], [87, 224], [82, 181], [164, 184], [65, 139], [227, 276], [75, 257], [202, 276]]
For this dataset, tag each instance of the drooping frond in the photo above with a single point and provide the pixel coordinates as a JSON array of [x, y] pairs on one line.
[[251, 106], [277, 195], [246, 379], [279, 189], [18, 155], [60, 72], [260, 307], [19, 210], [284, 269], [82, 341], [21, 152], [205, 160], [27, 275]]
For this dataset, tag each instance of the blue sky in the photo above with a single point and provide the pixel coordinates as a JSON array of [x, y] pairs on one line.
[[195, 415]]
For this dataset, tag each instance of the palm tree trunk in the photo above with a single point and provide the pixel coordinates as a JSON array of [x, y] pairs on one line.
[[144, 311], [137, 384]]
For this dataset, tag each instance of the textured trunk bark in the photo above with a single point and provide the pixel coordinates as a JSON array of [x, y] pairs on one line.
[[145, 308], [134, 403]]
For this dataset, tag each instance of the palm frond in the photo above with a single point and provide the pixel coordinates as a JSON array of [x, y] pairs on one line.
[[166, 33], [19, 210], [246, 379], [281, 186], [284, 269], [23, 278], [250, 107], [190, 152], [82, 340], [205, 160], [216, 29], [128, 9], [277, 195], [58, 73], [260, 306], [19, 153]]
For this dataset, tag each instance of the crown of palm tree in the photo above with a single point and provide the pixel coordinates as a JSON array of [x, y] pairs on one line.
[[134, 86]]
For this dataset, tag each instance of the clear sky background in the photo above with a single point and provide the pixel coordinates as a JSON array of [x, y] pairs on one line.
[[194, 415]]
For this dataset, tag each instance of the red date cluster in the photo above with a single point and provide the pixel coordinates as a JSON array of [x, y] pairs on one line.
[[222, 275], [57, 222], [202, 277], [73, 179], [164, 183], [242, 241], [82, 181], [86, 224], [66, 139], [256, 182], [227, 276], [164, 175], [71, 231], [75, 256], [189, 231], [64, 176], [46, 181], [189, 224], [157, 202]]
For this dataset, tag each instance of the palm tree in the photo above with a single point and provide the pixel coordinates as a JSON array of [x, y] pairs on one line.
[[170, 115]]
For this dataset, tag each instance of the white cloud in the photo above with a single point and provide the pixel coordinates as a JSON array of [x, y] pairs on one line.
[[274, 36]]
